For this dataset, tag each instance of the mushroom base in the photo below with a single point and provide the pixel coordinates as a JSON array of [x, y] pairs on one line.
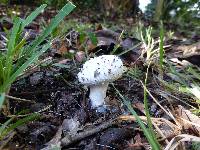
[[98, 94]]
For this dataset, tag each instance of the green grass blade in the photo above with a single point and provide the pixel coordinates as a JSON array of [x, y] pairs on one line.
[[161, 46], [25, 65], [194, 73], [7, 127], [148, 135], [12, 38], [54, 22], [93, 38], [124, 52], [2, 97], [22, 121], [3, 126], [2, 77], [147, 113], [149, 122], [19, 46], [33, 15], [11, 45]]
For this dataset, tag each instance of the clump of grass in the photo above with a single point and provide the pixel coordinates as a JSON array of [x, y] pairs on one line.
[[151, 53], [20, 55]]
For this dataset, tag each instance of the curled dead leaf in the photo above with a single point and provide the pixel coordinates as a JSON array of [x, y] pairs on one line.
[[188, 120]]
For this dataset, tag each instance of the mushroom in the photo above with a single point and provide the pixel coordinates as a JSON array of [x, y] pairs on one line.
[[97, 73]]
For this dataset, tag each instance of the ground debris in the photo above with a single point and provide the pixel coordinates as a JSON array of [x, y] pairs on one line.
[[67, 140]]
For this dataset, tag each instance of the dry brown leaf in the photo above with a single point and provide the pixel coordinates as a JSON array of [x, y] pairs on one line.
[[139, 106], [190, 53], [188, 120], [138, 140], [167, 128], [63, 49], [179, 139], [90, 46], [137, 144], [80, 56]]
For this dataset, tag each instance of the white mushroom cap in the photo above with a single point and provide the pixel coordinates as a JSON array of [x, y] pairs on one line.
[[105, 68]]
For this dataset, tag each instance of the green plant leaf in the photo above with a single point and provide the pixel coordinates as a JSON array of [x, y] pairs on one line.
[[8, 127], [22, 121], [12, 38], [161, 44], [2, 97], [11, 44], [25, 65], [147, 113], [194, 72], [19, 47], [92, 37], [33, 15], [54, 22], [148, 135], [4, 126]]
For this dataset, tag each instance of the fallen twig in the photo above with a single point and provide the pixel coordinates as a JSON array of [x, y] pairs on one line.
[[55, 142], [69, 139], [19, 99]]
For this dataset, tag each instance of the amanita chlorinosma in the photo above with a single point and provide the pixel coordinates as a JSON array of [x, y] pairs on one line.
[[97, 73]]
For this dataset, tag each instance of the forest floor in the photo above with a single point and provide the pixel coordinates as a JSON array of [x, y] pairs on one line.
[[51, 86]]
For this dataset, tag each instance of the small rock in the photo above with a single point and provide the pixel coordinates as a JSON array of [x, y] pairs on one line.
[[42, 134], [36, 78], [80, 56], [22, 129], [37, 107], [91, 145], [82, 116], [114, 136], [71, 126]]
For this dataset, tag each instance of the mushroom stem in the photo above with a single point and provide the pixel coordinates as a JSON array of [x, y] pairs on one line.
[[98, 94]]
